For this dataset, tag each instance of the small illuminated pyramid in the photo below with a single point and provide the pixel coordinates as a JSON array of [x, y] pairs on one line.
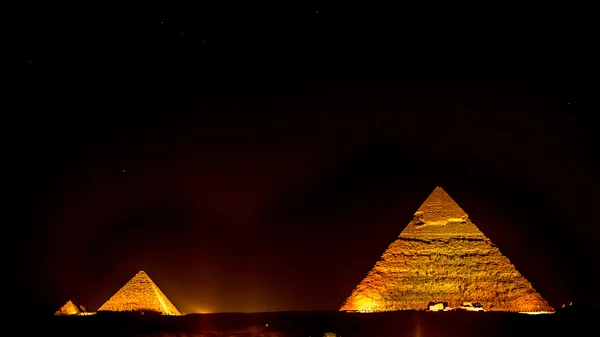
[[441, 256], [68, 309], [140, 294]]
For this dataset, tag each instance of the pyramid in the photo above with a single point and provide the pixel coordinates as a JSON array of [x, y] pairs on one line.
[[140, 294], [68, 309], [441, 256]]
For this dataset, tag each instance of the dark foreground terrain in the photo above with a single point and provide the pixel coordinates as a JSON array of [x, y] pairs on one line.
[[316, 324]]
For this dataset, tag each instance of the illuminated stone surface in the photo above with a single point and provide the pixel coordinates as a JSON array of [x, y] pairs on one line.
[[67, 310], [140, 294], [441, 256]]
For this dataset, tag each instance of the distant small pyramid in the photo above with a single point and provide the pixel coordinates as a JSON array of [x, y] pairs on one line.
[[68, 309], [441, 256], [140, 294]]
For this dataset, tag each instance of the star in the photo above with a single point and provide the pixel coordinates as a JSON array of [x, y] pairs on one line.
[[124, 171]]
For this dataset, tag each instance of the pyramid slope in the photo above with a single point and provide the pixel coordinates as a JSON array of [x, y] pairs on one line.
[[441, 256], [68, 309], [140, 294]]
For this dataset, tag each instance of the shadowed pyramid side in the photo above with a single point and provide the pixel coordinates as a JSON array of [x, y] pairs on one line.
[[140, 294], [441, 256]]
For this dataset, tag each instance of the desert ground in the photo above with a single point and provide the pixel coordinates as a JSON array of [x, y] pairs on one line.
[[316, 324]]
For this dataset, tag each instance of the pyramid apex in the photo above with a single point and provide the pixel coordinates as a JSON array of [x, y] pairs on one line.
[[439, 188], [440, 208]]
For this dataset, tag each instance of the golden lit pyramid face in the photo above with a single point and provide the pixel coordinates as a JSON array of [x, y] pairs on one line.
[[67, 310], [441, 256], [140, 294]]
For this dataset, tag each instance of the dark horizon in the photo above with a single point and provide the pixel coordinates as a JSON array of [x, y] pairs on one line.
[[242, 181]]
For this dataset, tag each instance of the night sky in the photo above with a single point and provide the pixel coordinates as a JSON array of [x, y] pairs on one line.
[[252, 161]]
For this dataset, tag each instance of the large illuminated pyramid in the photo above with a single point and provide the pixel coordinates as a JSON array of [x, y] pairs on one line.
[[140, 294], [441, 256]]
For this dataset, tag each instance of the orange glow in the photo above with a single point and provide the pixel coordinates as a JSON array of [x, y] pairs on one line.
[[200, 310], [365, 304]]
